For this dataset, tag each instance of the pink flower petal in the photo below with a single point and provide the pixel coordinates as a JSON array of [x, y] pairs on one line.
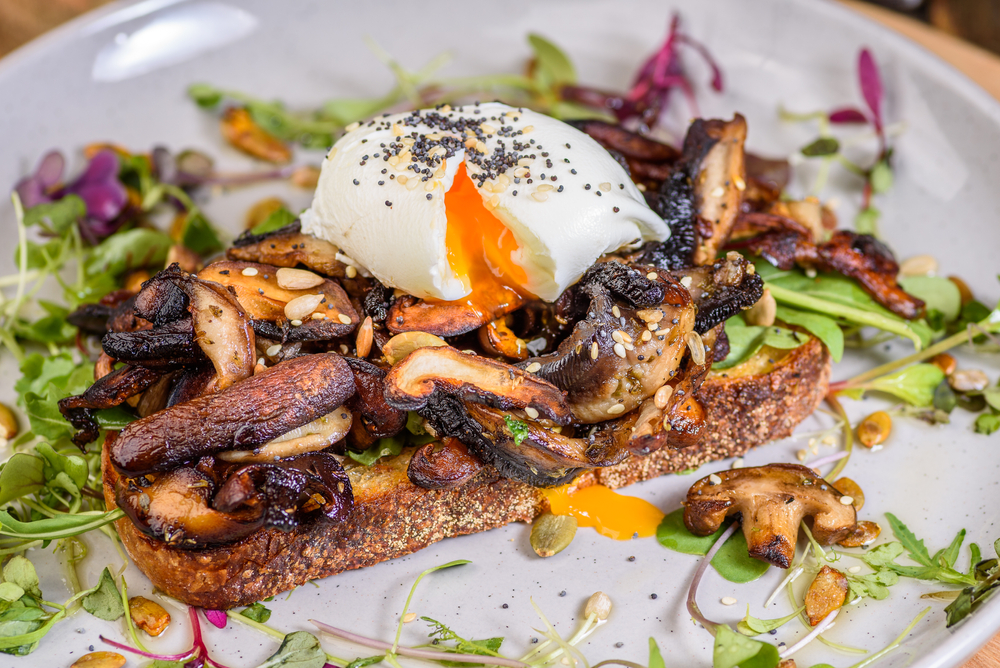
[[104, 200], [217, 618], [50, 169], [871, 84], [847, 115]]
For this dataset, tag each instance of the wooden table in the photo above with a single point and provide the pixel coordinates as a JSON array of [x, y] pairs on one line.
[[21, 20]]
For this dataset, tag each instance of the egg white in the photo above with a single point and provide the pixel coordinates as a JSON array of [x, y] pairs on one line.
[[565, 199]]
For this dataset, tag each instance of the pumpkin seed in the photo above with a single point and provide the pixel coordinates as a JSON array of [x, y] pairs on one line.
[[8, 422], [551, 534], [100, 660]]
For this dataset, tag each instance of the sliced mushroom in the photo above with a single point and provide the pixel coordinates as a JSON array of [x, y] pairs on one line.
[[409, 314], [289, 247], [771, 501], [242, 417], [223, 332], [497, 338], [722, 289], [628, 345], [167, 346], [106, 392], [445, 464], [273, 308], [673, 417], [377, 419], [429, 371], [162, 300], [317, 435], [176, 508]]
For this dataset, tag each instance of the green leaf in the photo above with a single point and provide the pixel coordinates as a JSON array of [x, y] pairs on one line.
[[751, 626], [275, 221], [866, 222], [746, 340], [673, 535], [140, 247], [883, 555], [734, 563], [915, 548], [732, 649], [205, 96], [298, 650], [74, 466], [199, 235], [519, 430], [940, 294], [949, 555], [987, 423], [823, 328], [914, 384], [366, 661], [21, 572], [881, 177], [992, 397], [257, 612], [60, 526], [944, 397], [345, 111], [37, 371], [821, 147], [21, 475], [384, 447], [10, 592], [106, 602], [56, 216], [655, 658], [553, 67]]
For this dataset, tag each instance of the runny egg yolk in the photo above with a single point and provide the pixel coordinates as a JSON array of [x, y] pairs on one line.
[[613, 515], [480, 248]]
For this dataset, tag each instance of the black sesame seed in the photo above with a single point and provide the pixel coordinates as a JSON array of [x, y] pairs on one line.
[[515, 193], [598, 193], [430, 196], [621, 186], [568, 146], [388, 203], [384, 171], [382, 183], [653, 596], [563, 592], [586, 187], [631, 558], [619, 644], [572, 171], [559, 189], [615, 209], [504, 606]]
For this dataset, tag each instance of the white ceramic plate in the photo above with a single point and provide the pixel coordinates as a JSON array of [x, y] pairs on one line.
[[120, 74]]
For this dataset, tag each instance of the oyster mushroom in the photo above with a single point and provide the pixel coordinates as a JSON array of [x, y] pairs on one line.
[[289, 247], [427, 372], [445, 464], [771, 501], [106, 392], [721, 289], [317, 435], [242, 417], [376, 418], [166, 346], [409, 314]]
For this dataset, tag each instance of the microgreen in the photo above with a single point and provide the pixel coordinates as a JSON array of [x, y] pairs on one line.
[[384, 447], [731, 559], [196, 657], [751, 626], [517, 428], [732, 649], [987, 576], [298, 650], [257, 612], [441, 634], [106, 602]]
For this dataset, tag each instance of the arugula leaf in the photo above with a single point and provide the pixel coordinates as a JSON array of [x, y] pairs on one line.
[[56, 217], [915, 384], [914, 547], [21, 572], [553, 67], [21, 475], [278, 219], [73, 466], [938, 567], [518, 429], [751, 626], [298, 650], [874, 585], [139, 247], [106, 602], [970, 598], [745, 340], [655, 658], [987, 423], [384, 447], [257, 612], [732, 649], [823, 328]]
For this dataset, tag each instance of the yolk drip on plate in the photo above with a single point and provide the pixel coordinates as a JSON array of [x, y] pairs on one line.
[[613, 515], [480, 248]]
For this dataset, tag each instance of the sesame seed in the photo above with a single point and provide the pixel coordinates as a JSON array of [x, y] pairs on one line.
[[572, 171], [616, 409], [531, 412], [728, 600], [854, 569], [296, 323], [606, 187], [430, 196], [539, 196], [351, 271], [533, 367], [616, 311], [586, 187], [847, 500], [353, 126], [714, 480], [651, 276], [319, 316], [740, 184], [356, 182], [388, 203], [686, 281], [620, 350], [615, 209], [249, 271], [593, 350], [718, 191], [273, 350], [646, 335]]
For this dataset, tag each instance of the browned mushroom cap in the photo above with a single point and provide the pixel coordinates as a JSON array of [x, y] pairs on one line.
[[772, 501], [166, 346], [377, 419], [267, 303], [288, 247], [497, 338], [176, 508], [409, 314], [222, 331], [721, 289], [673, 417], [428, 371], [242, 417], [108, 391], [444, 464]]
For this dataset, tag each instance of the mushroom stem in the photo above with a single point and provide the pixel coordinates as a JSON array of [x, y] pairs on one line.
[[692, 603], [820, 628]]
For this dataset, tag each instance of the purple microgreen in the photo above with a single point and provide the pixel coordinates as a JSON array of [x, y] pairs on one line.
[[871, 86], [35, 189], [707, 56], [99, 187], [847, 115], [217, 618], [196, 657], [692, 602], [826, 623]]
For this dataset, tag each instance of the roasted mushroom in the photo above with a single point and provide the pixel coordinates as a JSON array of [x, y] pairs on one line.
[[108, 391], [317, 435], [166, 346], [409, 314], [242, 417], [445, 464], [289, 247], [722, 289], [771, 501], [376, 418]]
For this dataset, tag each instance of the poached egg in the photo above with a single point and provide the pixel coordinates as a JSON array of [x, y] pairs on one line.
[[476, 203]]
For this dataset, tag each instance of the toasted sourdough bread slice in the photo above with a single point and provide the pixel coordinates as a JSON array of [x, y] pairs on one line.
[[761, 400]]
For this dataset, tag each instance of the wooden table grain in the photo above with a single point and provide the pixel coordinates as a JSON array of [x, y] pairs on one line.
[[23, 20]]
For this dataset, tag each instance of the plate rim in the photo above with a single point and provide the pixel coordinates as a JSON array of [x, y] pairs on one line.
[[975, 632]]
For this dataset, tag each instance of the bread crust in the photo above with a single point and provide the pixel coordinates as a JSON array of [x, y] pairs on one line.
[[742, 412]]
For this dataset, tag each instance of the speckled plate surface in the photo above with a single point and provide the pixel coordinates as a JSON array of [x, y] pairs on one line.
[[120, 74]]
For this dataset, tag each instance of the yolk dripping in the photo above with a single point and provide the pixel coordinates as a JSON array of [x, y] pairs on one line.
[[613, 515], [480, 248]]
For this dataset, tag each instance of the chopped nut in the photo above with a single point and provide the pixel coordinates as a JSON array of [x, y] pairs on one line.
[[968, 380], [662, 396], [866, 532], [148, 615], [826, 594], [919, 265], [598, 605], [8, 422], [302, 307], [240, 130], [851, 490], [945, 362], [100, 660], [297, 279], [366, 334], [874, 429], [551, 534]]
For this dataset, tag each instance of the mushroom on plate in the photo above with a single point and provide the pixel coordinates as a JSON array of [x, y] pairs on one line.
[[772, 501]]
